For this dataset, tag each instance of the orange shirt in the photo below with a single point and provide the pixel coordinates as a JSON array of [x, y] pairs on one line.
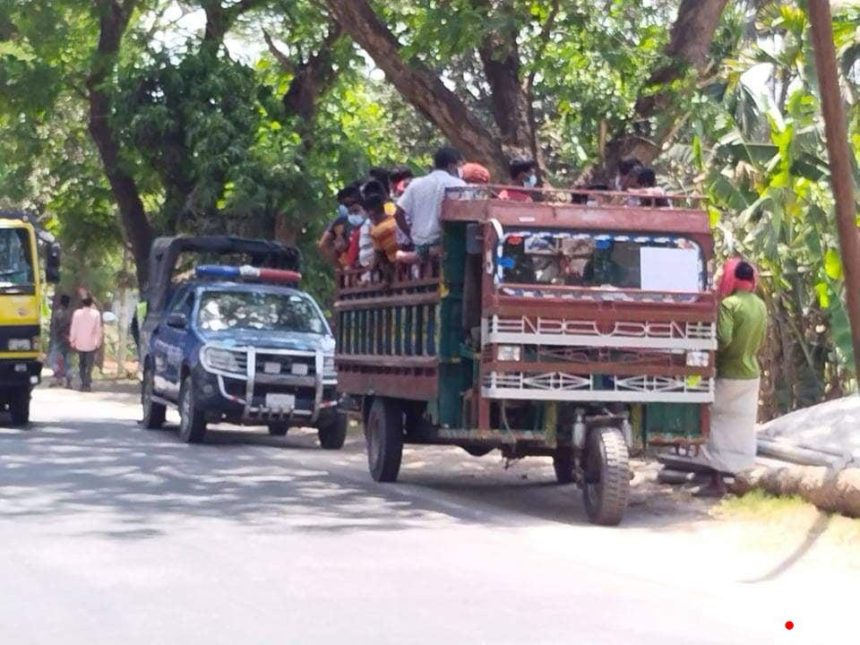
[[384, 236]]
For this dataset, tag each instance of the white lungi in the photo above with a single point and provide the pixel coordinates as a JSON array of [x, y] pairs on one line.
[[731, 445]]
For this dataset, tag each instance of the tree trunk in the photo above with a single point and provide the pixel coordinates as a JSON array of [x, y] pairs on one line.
[[500, 58], [113, 20], [312, 79], [689, 44], [419, 85]]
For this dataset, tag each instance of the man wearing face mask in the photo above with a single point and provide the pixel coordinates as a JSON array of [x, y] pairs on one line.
[[522, 174], [335, 241], [420, 206]]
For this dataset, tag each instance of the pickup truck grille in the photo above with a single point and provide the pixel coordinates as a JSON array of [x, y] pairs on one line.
[[282, 364]]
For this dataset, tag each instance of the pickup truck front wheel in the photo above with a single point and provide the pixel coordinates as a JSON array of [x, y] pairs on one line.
[[153, 413], [192, 420], [384, 433], [333, 434]]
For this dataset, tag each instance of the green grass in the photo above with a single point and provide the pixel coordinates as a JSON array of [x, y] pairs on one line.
[[788, 514], [760, 505]]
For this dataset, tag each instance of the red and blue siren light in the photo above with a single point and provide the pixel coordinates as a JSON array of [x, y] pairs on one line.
[[280, 276]]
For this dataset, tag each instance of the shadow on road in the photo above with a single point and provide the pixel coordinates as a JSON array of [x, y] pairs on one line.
[[147, 480]]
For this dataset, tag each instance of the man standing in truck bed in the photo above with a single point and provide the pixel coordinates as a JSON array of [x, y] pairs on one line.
[[420, 207]]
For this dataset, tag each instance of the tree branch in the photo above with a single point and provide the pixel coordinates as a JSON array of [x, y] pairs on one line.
[[113, 20], [419, 85], [283, 60]]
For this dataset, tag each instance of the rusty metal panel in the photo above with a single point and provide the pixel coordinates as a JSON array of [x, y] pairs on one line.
[[415, 385]]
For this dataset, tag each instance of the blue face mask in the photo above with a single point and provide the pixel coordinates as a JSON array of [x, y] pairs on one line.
[[531, 181], [355, 219], [342, 210]]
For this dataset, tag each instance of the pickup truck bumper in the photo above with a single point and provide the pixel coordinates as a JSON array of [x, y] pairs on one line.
[[261, 398]]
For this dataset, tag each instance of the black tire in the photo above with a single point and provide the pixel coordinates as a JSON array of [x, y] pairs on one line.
[[333, 434], [562, 462], [19, 406], [153, 413], [192, 420], [478, 450], [606, 471], [384, 434], [279, 429]]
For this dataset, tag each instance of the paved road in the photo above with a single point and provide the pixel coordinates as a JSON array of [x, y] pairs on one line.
[[113, 534]]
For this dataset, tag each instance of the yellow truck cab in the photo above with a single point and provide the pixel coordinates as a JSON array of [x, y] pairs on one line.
[[21, 297]]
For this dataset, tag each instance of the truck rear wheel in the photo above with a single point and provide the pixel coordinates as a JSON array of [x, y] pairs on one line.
[[19, 406], [153, 413], [333, 434], [606, 474], [384, 434], [562, 462], [192, 420]]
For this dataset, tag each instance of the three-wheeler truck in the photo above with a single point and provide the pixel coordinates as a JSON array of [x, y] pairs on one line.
[[577, 331]]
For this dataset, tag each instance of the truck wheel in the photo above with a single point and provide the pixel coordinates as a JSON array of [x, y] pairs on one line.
[[153, 413], [278, 429], [607, 476], [562, 461], [192, 420], [19, 406], [384, 434], [333, 434]]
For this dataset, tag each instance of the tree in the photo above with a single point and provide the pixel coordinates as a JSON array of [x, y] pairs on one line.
[[498, 28]]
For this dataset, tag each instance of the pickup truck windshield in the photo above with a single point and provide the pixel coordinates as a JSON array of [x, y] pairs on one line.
[[601, 260], [16, 263], [246, 310]]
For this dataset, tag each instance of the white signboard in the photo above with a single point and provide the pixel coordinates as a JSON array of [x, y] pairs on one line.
[[672, 270]]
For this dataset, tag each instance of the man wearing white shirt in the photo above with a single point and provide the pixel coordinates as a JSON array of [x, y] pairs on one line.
[[420, 206]]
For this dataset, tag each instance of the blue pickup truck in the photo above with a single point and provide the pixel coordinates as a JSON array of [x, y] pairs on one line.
[[238, 345]]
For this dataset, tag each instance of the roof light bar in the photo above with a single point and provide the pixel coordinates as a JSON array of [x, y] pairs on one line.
[[246, 272]]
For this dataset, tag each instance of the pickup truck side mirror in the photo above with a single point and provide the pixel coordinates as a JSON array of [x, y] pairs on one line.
[[177, 321], [52, 264]]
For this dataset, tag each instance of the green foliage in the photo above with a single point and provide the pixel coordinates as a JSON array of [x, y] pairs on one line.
[[767, 173], [213, 146]]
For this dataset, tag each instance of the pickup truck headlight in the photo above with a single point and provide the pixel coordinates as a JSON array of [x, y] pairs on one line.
[[329, 370], [20, 344], [222, 360]]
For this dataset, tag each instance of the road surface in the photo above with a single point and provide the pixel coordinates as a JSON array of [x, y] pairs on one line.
[[113, 534]]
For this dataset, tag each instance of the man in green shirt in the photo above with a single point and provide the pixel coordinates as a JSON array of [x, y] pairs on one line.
[[741, 329]]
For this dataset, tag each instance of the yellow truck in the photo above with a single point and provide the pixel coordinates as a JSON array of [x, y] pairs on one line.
[[21, 298]]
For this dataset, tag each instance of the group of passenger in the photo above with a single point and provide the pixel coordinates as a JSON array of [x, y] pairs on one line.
[[393, 217]]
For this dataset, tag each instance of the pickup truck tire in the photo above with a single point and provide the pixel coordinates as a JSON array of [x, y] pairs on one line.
[[384, 434], [279, 429], [562, 462], [153, 413], [606, 476], [192, 420], [333, 434], [19, 406]]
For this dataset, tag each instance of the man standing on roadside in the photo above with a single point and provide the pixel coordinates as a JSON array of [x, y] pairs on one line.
[[85, 337], [741, 328], [61, 321]]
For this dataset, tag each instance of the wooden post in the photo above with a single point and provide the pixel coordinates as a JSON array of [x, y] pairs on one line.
[[839, 155]]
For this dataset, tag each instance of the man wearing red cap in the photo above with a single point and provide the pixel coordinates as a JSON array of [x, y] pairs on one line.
[[741, 328]]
